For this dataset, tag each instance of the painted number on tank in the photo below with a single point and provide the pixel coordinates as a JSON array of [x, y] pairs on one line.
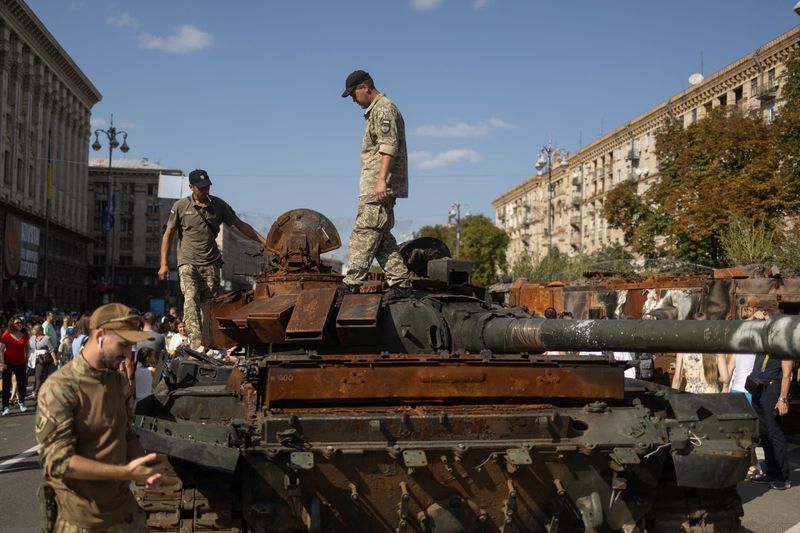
[[284, 377]]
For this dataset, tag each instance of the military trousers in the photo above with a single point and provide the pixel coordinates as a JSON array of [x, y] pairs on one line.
[[372, 239], [199, 285], [136, 522]]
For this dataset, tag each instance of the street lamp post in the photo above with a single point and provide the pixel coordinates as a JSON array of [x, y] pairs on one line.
[[540, 164], [454, 217], [111, 134]]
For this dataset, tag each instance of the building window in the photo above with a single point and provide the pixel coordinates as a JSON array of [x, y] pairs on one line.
[[153, 208], [152, 244], [769, 112], [126, 244], [7, 167], [771, 78], [152, 189], [753, 87], [125, 260], [151, 260], [738, 94], [723, 100], [99, 260], [694, 116], [126, 224]]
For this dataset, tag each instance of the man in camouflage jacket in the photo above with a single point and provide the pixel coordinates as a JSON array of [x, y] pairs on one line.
[[384, 178], [84, 427]]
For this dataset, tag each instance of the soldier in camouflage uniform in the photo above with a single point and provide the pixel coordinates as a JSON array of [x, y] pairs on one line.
[[384, 178], [84, 427], [197, 220]]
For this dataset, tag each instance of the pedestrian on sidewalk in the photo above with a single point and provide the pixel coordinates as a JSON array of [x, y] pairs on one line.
[[14, 361], [45, 352]]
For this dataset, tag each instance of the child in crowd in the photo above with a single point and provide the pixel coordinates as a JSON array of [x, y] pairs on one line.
[[145, 370], [65, 348]]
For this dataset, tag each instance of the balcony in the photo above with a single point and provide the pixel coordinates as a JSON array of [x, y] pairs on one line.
[[632, 155], [575, 240], [576, 180], [575, 221], [576, 199], [767, 92]]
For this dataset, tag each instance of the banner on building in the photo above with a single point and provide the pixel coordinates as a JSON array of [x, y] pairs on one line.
[[21, 248]]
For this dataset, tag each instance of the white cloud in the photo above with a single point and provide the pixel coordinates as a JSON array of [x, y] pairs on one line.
[[479, 4], [123, 20], [98, 122], [425, 5], [463, 129], [184, 40], [428, 160]]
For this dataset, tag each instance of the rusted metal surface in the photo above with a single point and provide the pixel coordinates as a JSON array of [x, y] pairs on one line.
[[311, 315], [298, 237], [357, 320], [450, 382]]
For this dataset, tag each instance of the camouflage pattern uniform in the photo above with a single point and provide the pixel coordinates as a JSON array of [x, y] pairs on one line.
[[371, 238], [87, 412], [199, 258]]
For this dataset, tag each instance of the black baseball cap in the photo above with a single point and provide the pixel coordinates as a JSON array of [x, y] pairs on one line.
[[199, 178], [356, 78]]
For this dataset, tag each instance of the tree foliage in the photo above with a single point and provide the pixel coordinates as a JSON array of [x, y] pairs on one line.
[[560, 267], [728, 166], [482, 242], [746, 243]]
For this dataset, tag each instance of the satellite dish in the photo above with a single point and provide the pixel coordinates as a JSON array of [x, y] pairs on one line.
[[695, 78]]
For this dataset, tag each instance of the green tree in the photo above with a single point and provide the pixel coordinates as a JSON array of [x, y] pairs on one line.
[[746, 243], [485, 245], [446, 234]]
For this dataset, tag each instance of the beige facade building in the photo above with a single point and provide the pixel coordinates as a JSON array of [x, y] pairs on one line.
[[45, 105], [580, 181], [139, 223]]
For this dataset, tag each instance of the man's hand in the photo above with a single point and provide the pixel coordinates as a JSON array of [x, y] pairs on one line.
[[782, 407], [380, 190], [163, 272], [142, 471]]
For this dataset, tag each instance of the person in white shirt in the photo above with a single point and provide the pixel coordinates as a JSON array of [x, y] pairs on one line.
[[145, 370], [179, 339]]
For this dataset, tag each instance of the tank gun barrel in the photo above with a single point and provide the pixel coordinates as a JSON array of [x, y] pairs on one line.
[[779, 337]]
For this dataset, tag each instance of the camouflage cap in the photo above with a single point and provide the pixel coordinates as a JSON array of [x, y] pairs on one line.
[[356, 78], [120, 319]]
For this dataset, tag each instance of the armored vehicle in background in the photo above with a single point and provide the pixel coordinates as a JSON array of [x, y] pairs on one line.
[[432, 410]]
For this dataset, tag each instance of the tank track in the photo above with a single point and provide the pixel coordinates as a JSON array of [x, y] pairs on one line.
[[190, 499]]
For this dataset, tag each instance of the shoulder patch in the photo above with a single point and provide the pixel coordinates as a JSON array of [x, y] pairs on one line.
[[386, 125]]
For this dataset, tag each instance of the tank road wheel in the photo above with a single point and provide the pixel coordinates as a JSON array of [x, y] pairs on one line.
[[191, 498], [687, 510]]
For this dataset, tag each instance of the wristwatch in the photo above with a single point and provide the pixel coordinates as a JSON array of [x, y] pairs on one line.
[[784, 399]]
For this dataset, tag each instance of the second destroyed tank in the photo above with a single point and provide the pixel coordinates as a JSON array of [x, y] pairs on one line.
[[431, 410]]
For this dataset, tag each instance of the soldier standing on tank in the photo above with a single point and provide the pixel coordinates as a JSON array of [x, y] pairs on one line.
[[384, 178], [197, 220], [84, 426]]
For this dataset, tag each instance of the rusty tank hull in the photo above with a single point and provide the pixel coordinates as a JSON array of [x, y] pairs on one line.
[[431, 409]]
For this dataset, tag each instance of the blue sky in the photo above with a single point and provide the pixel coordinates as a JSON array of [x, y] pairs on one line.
[[250, 90]]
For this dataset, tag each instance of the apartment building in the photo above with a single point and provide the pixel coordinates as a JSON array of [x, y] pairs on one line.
[[581, 180], [45, 107], [127, 272]]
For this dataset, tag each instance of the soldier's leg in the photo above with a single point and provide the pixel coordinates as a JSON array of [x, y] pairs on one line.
[[364, 240], [388, 253], [191, 284], [210, 275]]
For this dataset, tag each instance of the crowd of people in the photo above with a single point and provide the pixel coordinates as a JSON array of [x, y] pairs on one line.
[[33, 347]]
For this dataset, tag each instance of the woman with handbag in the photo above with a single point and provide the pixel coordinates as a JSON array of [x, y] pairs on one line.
[[46, 362], [769, 384]]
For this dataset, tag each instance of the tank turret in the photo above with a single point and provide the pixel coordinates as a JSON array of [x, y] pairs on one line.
[[431, 409]]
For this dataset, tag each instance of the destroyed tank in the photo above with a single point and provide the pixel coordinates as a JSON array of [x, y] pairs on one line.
[[432, 410]]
